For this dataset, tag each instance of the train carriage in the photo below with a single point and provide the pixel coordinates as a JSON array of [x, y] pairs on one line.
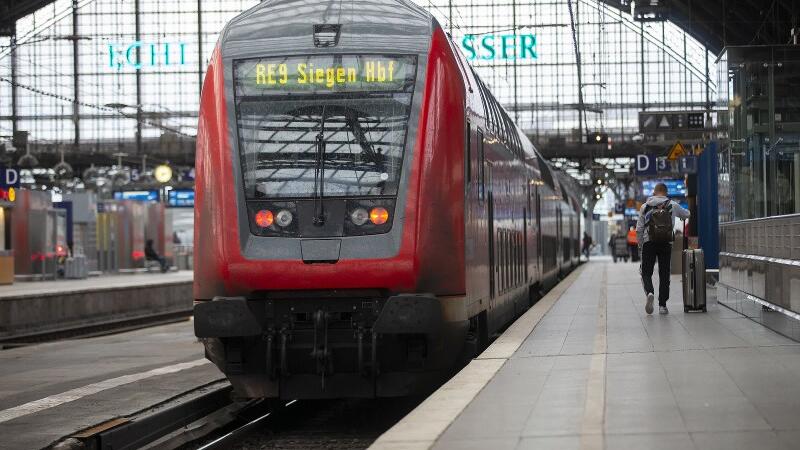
[[367, 214]]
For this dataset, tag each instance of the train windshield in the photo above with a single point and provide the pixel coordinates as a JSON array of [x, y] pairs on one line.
[[339, 121]]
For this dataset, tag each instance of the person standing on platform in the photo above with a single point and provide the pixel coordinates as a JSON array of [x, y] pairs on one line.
[[587, 245], [654, 233], [633, 244]]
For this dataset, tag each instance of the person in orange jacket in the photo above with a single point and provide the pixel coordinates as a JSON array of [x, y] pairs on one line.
[[633, 244]]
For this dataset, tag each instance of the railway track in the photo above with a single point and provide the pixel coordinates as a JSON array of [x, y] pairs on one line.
[[93, 329], [315, 424], [206, 418]]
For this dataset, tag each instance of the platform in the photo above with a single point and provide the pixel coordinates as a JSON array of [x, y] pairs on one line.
[[49, 391], [33, 308], [587, 368]]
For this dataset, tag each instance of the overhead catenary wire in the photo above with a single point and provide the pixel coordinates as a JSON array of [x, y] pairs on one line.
[[93, 106]]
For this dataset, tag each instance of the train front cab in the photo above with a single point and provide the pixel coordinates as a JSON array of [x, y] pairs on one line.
[[322, 308]]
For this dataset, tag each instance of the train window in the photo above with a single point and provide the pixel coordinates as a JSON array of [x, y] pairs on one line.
[[481, 168], [349, 118]]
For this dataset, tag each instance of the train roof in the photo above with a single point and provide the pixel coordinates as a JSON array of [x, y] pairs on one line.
[[286, 27]]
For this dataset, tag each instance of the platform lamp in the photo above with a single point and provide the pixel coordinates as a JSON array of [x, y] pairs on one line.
[[597, 138], [63, 170]]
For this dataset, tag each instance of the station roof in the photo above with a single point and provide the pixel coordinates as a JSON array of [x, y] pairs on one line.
[[13, 10], [719, 23], [716, 23]]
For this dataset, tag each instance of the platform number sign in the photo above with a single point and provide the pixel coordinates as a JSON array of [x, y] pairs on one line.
[[645, 165], [9, 177], [663, 165]]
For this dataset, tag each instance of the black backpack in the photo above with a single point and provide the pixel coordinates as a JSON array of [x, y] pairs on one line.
[[659, 226]]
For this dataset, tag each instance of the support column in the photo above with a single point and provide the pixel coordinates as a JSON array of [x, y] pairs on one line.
[[14, 82], [75, 78], [200, 62], [641, 61], [516, 82], [138, 31], [708, 81], [450, 15]]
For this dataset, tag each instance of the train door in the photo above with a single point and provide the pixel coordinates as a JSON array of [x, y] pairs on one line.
[[559, 232], [526, 220], [539, 232], [478, 254], [493, 263]]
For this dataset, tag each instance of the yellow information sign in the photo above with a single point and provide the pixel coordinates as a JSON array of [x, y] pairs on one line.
[[676, 151]]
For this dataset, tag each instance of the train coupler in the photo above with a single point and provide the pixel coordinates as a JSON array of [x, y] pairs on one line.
[[320, 352]]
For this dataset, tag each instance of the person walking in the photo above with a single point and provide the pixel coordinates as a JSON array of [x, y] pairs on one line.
[[151, 254], [587, 244], [654, 232]]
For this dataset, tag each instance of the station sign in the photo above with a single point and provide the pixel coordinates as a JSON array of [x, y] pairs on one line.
[[663, 164], [142, 196], [489, 47], [671, 121], [8, 194], [139, 54], [687, 164], [9, 177], [180, 198], [676, 151], [646, 165]]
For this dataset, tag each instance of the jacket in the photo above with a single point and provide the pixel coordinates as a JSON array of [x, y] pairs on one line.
[[678, 212]]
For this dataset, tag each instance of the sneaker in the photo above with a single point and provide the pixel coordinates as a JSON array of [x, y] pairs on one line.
[[663, 310], [649, 306]]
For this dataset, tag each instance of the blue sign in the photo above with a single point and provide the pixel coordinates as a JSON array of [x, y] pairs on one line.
[[645, 165], [675, 187], [181, 198], [499, 46], [9, 177], [142, 196], [687, 164], [139, 54]]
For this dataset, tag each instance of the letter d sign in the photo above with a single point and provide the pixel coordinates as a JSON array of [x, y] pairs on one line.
[[645, 165], [10, 177]]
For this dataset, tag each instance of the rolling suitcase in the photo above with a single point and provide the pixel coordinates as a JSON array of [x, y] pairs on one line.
[[694, 280]]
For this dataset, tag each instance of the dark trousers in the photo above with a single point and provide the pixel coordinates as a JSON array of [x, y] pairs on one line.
[[161, 260], [650, 252]]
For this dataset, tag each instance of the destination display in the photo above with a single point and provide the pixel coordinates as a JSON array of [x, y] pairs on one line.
[[181, 198], [324, 73], [142, 196]]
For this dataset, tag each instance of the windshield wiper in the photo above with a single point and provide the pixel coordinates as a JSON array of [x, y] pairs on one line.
[[319, 175]]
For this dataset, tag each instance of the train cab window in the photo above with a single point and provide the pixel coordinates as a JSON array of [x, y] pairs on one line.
[[349, 118]]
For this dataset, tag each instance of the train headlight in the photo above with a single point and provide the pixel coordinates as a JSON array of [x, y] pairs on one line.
[[264, 218], [379, 215], [359, 216], [284, 218]]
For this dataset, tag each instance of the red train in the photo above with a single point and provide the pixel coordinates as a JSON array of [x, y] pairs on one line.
[[367, 213]]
